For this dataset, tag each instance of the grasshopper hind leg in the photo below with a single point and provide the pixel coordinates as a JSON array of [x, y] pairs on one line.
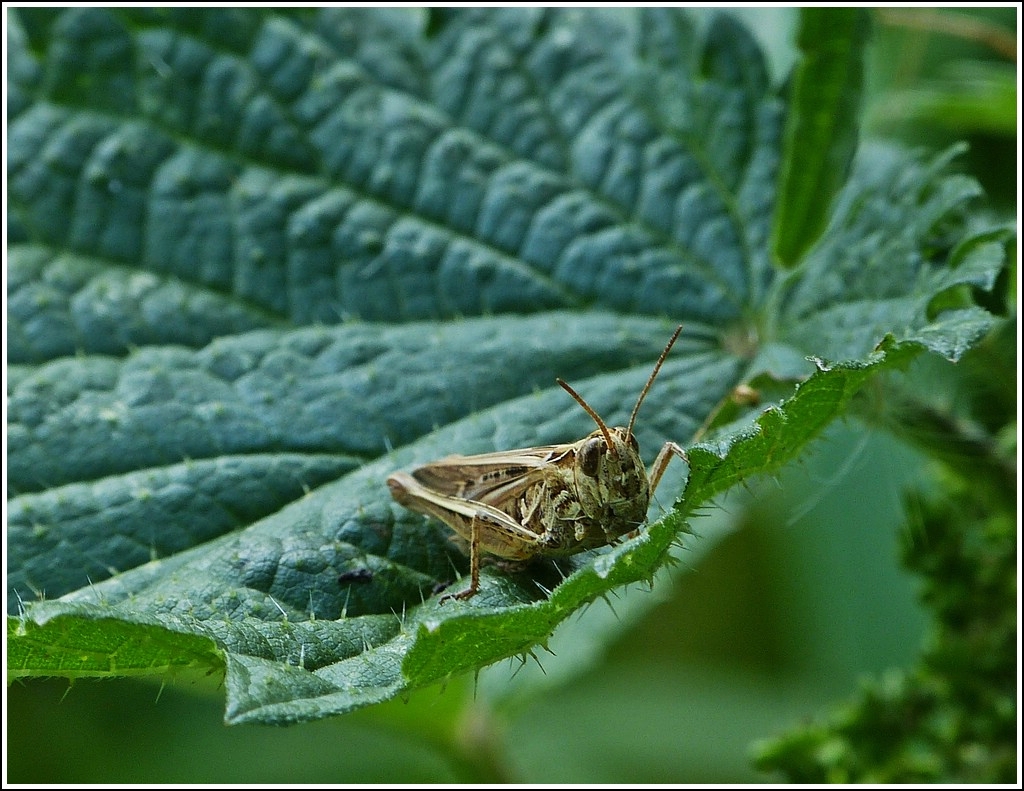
[[474, 563]]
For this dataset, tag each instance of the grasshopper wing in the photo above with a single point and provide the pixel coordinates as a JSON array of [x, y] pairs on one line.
[[490, 478]]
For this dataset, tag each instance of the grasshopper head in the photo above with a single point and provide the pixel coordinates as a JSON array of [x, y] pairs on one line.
[[610, 477], [611, 481]]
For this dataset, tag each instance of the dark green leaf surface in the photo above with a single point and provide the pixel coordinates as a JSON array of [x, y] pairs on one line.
[[261, 260]]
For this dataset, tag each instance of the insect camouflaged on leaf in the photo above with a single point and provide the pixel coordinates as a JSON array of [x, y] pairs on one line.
[[552, 500]]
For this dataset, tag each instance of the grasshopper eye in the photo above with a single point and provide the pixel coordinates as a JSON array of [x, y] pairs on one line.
[[633, 443], [590, 456]]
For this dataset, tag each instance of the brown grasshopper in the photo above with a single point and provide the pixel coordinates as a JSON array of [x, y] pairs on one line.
[[552, 500]]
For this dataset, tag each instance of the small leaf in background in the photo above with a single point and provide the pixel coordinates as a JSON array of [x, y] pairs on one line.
[[822, 126]]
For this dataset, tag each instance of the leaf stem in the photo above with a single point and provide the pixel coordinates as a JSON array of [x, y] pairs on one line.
[[993, 36]]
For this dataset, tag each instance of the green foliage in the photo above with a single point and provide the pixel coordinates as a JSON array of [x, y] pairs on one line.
[[822, 128], [945, 75], [953, 717], [261, 259]]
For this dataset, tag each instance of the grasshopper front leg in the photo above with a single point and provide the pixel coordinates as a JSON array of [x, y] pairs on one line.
[[668, 450]]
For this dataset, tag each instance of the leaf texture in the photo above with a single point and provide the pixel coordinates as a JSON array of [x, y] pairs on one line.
[[260, 259]]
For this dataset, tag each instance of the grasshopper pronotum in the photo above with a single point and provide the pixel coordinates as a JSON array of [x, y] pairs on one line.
[[552, 500]]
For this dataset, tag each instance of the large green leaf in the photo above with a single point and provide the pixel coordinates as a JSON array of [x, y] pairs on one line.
[[261, 259]]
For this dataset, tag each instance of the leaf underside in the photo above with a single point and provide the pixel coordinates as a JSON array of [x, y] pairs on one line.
[[259, 260]]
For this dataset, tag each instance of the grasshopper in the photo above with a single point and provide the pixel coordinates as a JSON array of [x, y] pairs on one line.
[[551, 500]]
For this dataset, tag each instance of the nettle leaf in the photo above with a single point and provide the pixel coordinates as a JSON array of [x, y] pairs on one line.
[[259, 260]]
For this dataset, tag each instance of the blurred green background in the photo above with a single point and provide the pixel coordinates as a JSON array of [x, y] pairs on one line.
[[790, 592]]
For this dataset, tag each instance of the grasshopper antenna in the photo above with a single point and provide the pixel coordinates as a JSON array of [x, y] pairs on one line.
[[597, 418], [650, 379]]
